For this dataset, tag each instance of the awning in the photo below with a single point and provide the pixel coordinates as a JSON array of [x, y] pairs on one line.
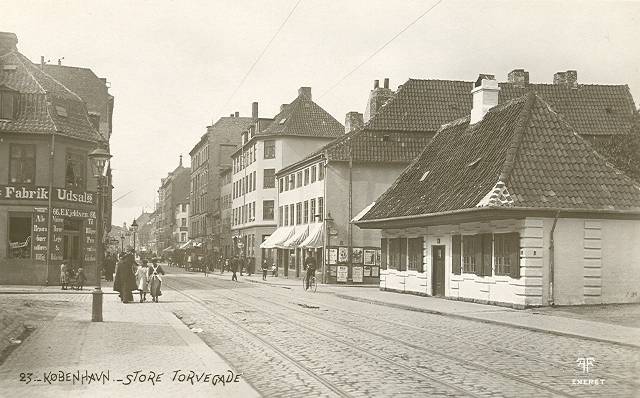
[[168, 249], [300, 234], [278, 236], [315, 239]]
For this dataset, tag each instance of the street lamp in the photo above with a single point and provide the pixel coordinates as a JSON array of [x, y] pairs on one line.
[[98, 158], [325, 257], [134, 229]]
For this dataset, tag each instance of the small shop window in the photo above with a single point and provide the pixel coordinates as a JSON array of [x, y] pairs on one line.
[[22, 165], [398, 254], [415, 254], [19, 236], [470, 248]]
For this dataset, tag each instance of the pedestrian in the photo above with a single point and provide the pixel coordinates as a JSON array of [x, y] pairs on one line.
[[234, 267], [125, 280], [274, 270], [155, 280], [265, 269], [81, 278], [142, 280], [310, 267], [64, 279]]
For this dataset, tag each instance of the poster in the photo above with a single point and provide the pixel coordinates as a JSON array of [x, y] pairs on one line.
[[375, 272], [367, 270], [332, 255], [343, 254], [369, 257], [342, 273], [357, 255], [40, 234], [378, 257], [90, 240], [333, 270], [357, 273]]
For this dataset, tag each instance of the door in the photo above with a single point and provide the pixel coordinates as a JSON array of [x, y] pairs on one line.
[[437, 270], [71, 248]]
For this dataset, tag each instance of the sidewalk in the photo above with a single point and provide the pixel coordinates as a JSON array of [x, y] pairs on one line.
[[133, 337], [548, 320]]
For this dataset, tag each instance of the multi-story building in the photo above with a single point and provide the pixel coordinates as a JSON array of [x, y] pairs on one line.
[[48, 203], [208, 157], [173, 189], [226, 243], [300, 128], [181, 229]]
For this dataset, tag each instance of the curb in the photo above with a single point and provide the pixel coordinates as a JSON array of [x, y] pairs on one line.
[[319, 284], [51, 292], [481, 320]]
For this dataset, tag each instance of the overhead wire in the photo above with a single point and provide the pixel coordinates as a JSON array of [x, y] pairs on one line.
[[343, 78]]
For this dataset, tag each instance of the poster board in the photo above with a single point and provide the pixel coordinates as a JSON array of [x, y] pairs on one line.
[[342, 273], [357, 273], [357, 255], [369, 257]]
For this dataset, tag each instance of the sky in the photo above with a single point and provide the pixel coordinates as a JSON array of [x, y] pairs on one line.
[[174, 66]]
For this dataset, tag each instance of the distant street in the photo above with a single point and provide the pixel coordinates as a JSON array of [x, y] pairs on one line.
[[290, 343]]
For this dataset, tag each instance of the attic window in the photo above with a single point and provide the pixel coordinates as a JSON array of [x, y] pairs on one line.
[[474, 163], [426, 173], [61, 111], [283, 120]]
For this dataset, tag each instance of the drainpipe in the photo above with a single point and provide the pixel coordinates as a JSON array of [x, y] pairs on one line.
[[350, 230], [324, 222], [49, 209], [552, 259]]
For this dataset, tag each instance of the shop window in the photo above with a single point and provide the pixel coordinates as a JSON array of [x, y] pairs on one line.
[[22, 165], [19, 236], [75, 171], [415, 254], [506, 249], [269, 179], [269, 149]]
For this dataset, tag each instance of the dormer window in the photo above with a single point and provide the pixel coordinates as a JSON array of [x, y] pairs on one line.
[[8, 104]]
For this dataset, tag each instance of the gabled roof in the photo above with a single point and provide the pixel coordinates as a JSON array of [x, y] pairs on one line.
[[521, 155], [83, 82], [44, 104], [303, 117]]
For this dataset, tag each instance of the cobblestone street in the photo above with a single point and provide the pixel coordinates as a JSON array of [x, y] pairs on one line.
[[290, 343]]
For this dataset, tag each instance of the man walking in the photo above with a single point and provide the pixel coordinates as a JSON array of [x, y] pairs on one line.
[[234, 268], [310, 266]]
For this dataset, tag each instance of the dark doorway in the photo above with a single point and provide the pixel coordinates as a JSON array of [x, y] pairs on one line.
[[437, 270], [71, 249]]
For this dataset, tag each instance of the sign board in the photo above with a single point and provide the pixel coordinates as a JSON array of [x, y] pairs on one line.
[[40, 234], [357, 272], [21, 192], [342, 273]]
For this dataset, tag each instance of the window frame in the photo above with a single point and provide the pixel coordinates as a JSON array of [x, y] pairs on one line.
[[269, 149], [21, 161], [269, 178]]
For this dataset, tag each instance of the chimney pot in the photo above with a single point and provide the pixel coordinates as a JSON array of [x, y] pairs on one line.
[[386, 82], [237, 114], [568, 78], [353, 121], [519, 77], [485, 96], [376, 84], [231, 115], [254, 111], [305, 92], [8, 42]]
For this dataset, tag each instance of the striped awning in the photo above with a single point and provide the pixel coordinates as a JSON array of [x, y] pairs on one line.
[[315, 238], [277, 237], [300, 234]]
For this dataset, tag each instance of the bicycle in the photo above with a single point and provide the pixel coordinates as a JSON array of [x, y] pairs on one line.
[[313, 284]]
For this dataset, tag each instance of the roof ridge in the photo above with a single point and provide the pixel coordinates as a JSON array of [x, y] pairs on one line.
[[516, 140]]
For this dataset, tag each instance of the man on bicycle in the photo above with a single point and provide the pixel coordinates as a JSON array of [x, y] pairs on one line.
[[310, 266]]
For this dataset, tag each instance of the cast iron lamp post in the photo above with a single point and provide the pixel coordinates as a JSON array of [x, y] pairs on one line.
[[98, 157], [134, 229]]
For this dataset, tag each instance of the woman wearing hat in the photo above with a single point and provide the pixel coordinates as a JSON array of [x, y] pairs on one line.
[[125, 279]]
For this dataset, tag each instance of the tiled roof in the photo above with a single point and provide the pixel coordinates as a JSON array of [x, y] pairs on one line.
[[235, 124], [303, 117], [522, 155], [44, 104], [84, 82]]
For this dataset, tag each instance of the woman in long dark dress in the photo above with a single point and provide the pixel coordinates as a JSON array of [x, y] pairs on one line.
[[155, 280], [125, 280]]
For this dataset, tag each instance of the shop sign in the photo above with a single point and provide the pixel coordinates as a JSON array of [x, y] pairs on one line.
[[40, 231], [357, 272], [343, 273], [19, 192]]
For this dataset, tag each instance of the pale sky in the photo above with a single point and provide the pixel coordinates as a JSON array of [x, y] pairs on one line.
[[173, 65]]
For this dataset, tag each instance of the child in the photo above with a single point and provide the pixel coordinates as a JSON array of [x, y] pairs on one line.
[[81, 278], [64, 279], [265, 269], [142, 280]]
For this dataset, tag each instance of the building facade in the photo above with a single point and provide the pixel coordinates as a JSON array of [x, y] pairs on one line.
[[174, 189], [48, 203], [226, 242], [270, 144]]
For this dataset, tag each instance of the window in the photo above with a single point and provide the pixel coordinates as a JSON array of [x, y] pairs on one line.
[[299, 179], [292, 182], [183, 236], [269, 149], [269, 179], [312, 209], [506, 249], [299, 213], [282, 184], [286, 215], [19, 236], [313, 174], [291, 214], [250, 182], [75, 171], [183, 222], [306, 176], [280, 223], [320, 209], [305, 212], [470, 247], [267, 209], [8, 105], [22, 166], [398, 253], [254, 180], [415, 254], [320, 172]]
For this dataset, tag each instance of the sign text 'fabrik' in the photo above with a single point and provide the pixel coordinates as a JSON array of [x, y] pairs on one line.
[[18, 192]]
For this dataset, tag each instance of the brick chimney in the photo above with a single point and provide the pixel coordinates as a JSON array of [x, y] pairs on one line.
[[254, 111], [352, 121], [519, 77], [8, 42], [568, 78], [236, 114], [283, 107], [485, 96], [378, 97], [305, 92]]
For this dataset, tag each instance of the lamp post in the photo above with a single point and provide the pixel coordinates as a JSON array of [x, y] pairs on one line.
[[98, 157], [134, 229], [325, 257]]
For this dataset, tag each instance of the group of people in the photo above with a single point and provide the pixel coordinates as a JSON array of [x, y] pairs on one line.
[[71, 278], [130, 276]]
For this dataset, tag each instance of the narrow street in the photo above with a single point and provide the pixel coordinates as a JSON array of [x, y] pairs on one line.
[[290, 343]]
